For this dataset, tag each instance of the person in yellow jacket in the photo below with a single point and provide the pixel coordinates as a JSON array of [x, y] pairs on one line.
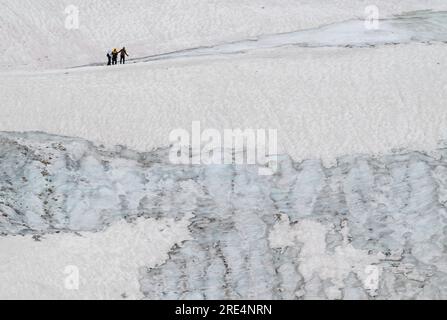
[[114, 56]]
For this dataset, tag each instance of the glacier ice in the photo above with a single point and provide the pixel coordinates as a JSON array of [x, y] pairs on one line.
[[309, 231]]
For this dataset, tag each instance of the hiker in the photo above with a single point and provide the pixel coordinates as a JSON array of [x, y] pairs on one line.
[[109, 58], [114, 56], [123, 53]]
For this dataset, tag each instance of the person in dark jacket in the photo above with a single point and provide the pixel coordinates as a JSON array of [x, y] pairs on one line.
[[123, 54], [109, 58]]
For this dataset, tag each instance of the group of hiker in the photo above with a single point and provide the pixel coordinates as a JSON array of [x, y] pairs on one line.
[[112, 56]]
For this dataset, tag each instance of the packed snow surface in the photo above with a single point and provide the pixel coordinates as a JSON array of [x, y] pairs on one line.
[[85, 265], [324, 102]]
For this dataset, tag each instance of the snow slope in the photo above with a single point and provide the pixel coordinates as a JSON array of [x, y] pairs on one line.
[[107, 262], [34, 36], [324, 102]]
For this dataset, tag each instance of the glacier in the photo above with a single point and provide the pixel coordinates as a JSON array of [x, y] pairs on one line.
[[308, 231]]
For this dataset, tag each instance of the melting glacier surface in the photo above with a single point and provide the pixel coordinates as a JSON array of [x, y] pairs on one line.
[[368, 227]]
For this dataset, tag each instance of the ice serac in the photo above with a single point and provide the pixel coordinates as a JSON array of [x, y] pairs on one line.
[[368, 227]]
